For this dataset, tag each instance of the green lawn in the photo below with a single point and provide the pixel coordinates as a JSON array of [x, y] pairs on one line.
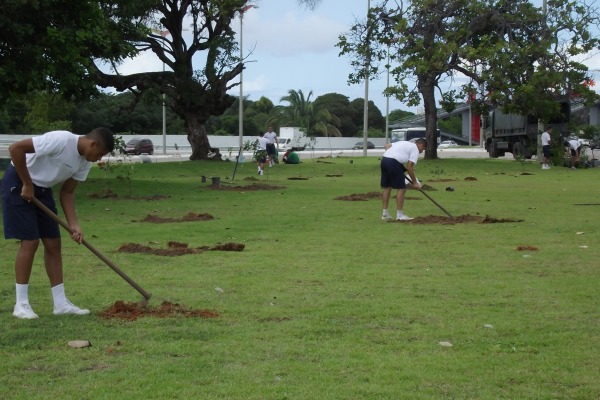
[[326, 301]]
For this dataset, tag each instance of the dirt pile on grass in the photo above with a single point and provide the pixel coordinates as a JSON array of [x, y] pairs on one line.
[[132, 311], [109, 194], [178, 248], [189, 217], [360, 196], [254, 186], [459, 219]]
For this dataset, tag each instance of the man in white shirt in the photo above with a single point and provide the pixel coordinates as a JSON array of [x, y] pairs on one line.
[[272, 140], [57, 158], [546, 142], [399, 157], [574, 147], [261, 153]]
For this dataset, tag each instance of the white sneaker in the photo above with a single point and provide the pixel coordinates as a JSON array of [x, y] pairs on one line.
[[261, 173], [386, 217], [545, 167], [70, 308], [403, 218], [24, 311]]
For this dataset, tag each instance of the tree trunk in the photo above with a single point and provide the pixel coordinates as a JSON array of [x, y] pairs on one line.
[[197, 138], [427, 90]]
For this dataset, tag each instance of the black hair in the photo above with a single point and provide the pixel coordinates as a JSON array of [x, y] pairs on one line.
[[104, 136], [422, 141]]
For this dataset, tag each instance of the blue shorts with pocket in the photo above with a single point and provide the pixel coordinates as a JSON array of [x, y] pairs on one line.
[[23, 220], [392, 173]]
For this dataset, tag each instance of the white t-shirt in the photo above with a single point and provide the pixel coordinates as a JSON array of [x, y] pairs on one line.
[[403, 151], [270, 136], [262, 143], [574, 144], [56, 159], [545, 139]]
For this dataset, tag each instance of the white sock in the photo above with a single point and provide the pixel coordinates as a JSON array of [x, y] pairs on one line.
[[58, 294], [399, 213], [22, 293]]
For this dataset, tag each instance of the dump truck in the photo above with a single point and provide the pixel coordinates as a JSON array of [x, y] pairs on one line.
[[518, 134]]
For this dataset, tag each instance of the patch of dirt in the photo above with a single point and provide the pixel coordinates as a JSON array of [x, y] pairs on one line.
[[334, 175], [103, 194], [178, 249], [324, 162], [527, 248], [470, 178], [443, 180], [254, 186], [423, 187], [186, 218], [492, 220], [526, 173], [297, 178], [109, 194], [360, 197], [132, 311], [459, 219]]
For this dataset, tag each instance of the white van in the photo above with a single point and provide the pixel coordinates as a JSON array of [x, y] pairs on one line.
[[291, 137], [411, 134]]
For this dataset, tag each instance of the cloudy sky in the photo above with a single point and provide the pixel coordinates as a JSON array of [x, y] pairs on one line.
[[290, 47]]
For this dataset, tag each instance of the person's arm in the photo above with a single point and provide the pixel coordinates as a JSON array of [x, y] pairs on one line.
[[67, 201], [18, 152], [387, 146], [410, 168]]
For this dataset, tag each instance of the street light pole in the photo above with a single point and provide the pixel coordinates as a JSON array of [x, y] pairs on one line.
[[387, 98], [241, 99], [368, 66]]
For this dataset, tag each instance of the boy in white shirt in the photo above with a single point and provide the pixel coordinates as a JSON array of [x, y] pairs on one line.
[[38, 164], [392, 173]]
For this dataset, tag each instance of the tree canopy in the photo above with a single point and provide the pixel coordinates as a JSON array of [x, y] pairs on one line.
[[514, 55]]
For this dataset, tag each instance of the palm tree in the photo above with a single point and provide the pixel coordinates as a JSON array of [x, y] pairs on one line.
[[301, 112]]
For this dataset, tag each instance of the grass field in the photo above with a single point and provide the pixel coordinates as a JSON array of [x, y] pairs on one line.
[[326, 301]]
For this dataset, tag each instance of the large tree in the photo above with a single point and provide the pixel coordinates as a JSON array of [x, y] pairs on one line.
[[516, 55], [66, 46]]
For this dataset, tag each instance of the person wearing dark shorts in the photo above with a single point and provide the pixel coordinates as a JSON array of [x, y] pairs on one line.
[[399, 158], [546, 143], [38, 164], [272, 141], [574, 148]]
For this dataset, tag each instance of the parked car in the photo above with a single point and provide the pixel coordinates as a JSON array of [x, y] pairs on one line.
[[447, 143], [359, 145], [139, 146]]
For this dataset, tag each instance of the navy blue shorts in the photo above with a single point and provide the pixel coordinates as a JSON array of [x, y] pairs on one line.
[[23, 220], [546, 151], [271, 149], [392, 174]]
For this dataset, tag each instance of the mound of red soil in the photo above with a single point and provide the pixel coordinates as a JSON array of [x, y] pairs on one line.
[[492, 220], [178, 249], [527, 248], [186, 218], [132, 311], [459, 219], [360, 196], [254, 186], [107, 193]]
